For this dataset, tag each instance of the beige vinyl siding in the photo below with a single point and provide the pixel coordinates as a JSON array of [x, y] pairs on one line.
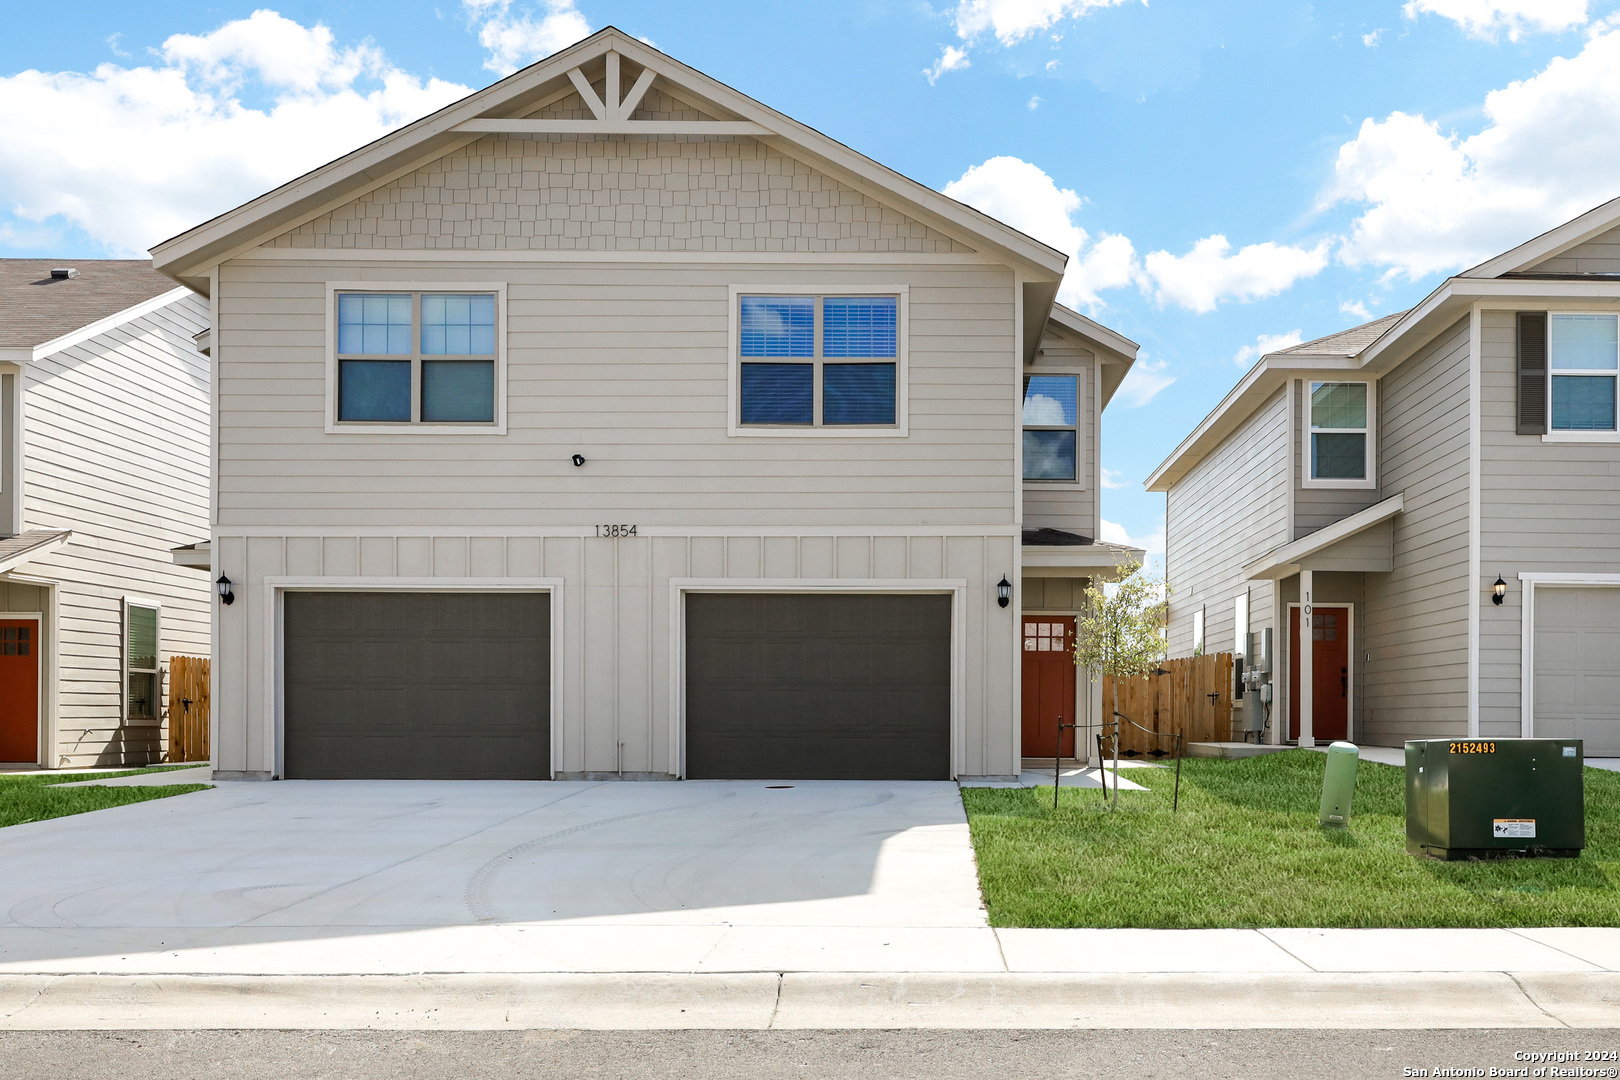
[[616, 622], [117, 451], [610, 193], [627, 365], [1071, 507], [1415, 624], [1229, 510], [1316, 508], [1599, 255], [1544, 507]]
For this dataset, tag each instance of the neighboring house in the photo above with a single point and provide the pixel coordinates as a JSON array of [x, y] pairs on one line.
[[1390, 476], [608, 422], [103, 469]]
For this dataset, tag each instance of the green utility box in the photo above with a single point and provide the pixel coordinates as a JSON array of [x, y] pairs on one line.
[[1483, 798]]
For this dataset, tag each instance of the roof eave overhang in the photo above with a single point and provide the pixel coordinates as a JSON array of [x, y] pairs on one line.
[[1081, 560], [188, 257], [37, 551], [1286, 560], [199, 556], [1550, 244], [1116, 351]]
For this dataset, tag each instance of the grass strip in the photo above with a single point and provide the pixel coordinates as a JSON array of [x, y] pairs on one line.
[[39, 796], [1245, 851]]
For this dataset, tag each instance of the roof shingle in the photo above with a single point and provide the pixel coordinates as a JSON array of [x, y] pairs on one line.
[[1345, 342], [35, 308]]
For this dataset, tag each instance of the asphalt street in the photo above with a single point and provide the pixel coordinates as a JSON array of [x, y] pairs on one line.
[[812, 1055]]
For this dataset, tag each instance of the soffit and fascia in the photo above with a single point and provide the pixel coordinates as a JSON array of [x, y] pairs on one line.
[[1116, 352], [1285, 561], [187, 258]]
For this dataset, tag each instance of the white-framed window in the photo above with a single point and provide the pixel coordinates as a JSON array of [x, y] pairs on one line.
[[1339, 442], [1583, 370], [1052, 428], [1198, 632], [419, 357], [143, 679], [823, 362]]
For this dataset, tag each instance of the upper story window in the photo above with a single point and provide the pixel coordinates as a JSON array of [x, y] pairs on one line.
[[822, 364], [1051, 427], [419, 358], [1340, 434], [1585, 364]]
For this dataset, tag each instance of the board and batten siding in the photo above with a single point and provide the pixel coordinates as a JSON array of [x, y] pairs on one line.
[[1415, 620], [1070, 507], [1599, 255], [1547, 507], [1314, 507], [616, 623], [118, 451], [1229, 510], [628, 365]]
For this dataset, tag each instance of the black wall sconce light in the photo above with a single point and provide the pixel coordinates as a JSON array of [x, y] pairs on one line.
[[1498, 591], [1004, 591], [226, 593], [578, 460]]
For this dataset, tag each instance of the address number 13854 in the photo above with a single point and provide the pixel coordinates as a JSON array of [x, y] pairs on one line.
[[615, 530]]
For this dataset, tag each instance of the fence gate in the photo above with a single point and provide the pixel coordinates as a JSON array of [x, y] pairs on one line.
[[188, 708], [1193, 698]]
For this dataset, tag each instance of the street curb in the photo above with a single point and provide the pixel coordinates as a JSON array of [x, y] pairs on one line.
[[805, 1000]]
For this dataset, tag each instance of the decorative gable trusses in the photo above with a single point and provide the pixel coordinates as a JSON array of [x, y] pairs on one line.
[[517, 105]]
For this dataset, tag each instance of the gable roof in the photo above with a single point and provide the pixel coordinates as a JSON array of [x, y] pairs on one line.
[[1116, 351], [36, 308], [1345, 342], [1553, 242], [507, 105]]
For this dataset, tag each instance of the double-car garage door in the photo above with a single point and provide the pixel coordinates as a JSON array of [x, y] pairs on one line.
[[457, 686], [1577, 656]]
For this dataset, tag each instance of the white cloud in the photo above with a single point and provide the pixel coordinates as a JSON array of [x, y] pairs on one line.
[[952, 59], [515, 40], [1114, 533], [1356, 308], [1266, 343], [1014, 20], [1144, 382], [1021, 195], [1439, 201], [157, 149], [1489, 18], [1371, 40], [1113, 480], [1210, 272], [1034, 102]]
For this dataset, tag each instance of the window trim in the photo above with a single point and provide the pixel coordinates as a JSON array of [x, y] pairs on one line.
[[334, 426], [1081, 418], [735, 428], [1308, 455], [156, 671], [1578, 435]]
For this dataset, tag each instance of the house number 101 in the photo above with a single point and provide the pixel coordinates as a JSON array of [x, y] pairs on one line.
[[615, 530]]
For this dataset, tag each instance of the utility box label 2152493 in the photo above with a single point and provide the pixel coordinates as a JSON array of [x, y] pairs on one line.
[[1514, 828]]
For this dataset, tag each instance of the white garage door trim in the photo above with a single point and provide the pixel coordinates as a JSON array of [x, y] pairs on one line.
[[1527, 644], [276, 589], [679, 587]]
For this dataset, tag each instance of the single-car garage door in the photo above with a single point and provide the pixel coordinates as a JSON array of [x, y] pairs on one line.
[[1577, 651], [417, 685], [818, 687]]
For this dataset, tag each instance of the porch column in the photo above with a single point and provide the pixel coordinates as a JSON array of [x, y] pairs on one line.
[[1307, 659]]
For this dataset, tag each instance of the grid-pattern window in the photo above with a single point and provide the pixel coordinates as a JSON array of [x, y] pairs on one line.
[[141, 663], [818, 361], [1047, 637], [416, 358], [1339, 431], [1051, 427], [1585, 364]]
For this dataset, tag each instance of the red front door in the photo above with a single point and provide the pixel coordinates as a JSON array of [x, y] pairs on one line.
[[1048, 685], [19, 690], [1330, 688]]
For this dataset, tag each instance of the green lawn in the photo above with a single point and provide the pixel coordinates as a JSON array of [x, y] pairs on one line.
[[1245, 850], [36, 796]]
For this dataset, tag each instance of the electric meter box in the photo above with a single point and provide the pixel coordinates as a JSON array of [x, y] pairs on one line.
[[1484, 798]]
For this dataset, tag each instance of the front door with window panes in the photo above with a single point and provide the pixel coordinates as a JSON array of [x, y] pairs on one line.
[[1049, 683], [19, 690], [1585, 366]]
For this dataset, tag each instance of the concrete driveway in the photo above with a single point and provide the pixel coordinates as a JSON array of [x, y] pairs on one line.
[[403, 877]]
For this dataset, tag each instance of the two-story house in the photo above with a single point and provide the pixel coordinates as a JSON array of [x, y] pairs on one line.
[[103, 469], [1438, 492], [610, 423]]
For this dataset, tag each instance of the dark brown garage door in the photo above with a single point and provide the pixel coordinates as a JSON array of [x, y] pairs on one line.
[[818, 687], [417, 686]]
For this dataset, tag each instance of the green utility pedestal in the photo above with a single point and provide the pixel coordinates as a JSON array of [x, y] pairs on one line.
[[1338, 785], [1479, 798]]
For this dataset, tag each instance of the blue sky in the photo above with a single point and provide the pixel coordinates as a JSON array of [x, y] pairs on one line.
[[1228, 176]]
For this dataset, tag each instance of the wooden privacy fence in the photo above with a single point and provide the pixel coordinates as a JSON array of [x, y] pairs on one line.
[[1179, 701], [188, 708]]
